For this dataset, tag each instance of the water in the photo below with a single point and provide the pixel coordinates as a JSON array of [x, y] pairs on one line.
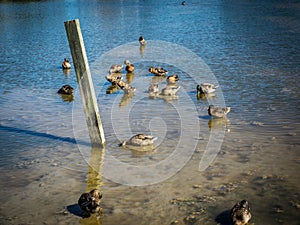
[[251, 49]]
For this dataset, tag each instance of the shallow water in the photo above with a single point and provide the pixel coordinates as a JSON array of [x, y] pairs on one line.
[[199, 168]]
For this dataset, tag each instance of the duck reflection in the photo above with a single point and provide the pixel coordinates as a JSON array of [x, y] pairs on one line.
[[210, 96], [67, 98], [142, 50], [216, 123], [112, 89], [157, 79], [129, 77], [66, 72], [126, 99], [141, 151]]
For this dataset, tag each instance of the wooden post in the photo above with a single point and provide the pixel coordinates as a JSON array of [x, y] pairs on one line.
[[85, 83]]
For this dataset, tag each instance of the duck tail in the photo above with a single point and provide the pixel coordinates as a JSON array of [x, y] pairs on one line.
[[227, 110], [122, 144]]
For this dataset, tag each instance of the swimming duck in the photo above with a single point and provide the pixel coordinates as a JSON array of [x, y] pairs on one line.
[[183, 3], [127, 88], [115, 68], [139, 140], [172, 78], [129, 67], [206, 88], [66, 64], [158, 71], [218, 112], [142, 41], [66, 90], [240, 213], [170, 90], [90, 202]]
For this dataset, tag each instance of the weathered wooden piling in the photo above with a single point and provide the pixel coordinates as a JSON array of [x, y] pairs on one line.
[[85, 83]]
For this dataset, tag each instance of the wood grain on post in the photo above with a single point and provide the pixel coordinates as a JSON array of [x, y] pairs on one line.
[[85, 82]]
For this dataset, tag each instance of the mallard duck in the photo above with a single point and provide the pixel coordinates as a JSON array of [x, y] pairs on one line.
[[240, 213], [206, 88], [142, 41], [129, 67], [218, 112], [139, 140], [170, 90], [158, 71], [66, 90], [66, 64], [115, 68], [114, 78], [172, 78], [127, 88], [90, 202], [183, 3]]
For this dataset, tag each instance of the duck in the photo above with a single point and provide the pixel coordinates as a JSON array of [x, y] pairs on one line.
[[172, 78], [66, 90], [114, 78], [170, 90], [115, 68], [139, 140], [206, 88], [142, 41], [90, 202], [153, 90], [183, 3], [240, 213], [218, 112], [127, 88], [129, 67], [66, 64], [158, 71]]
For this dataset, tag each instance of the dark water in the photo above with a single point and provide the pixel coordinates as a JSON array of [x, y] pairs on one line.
[[250, 48]]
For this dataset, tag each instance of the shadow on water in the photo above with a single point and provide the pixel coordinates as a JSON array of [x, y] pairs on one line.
[[224, 218], [44, 135], [75, 210]]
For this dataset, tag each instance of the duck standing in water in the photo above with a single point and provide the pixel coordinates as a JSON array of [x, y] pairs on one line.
[[115, 68], [170, 90], [218, 112], [240, 213], [206, 88], [90, 202], [129, 67], [66, 64], [66, 90], [139, 140], [153, 90], [142, 41], [114, 75], [158, 71], [127, 88], [172, 78]]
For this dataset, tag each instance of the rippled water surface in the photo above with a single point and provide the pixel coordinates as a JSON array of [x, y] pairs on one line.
[[199, 167]]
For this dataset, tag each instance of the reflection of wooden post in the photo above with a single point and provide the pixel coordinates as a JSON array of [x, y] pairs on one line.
[[94, 179], [85, 83]]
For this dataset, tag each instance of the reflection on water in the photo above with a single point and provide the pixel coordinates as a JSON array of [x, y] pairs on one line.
[[252, 47]]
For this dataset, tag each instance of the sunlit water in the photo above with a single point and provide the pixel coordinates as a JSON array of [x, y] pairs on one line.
[[251, 49]]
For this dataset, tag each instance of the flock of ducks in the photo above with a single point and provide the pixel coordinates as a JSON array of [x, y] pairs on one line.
[[115, 77], [90, 202]]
